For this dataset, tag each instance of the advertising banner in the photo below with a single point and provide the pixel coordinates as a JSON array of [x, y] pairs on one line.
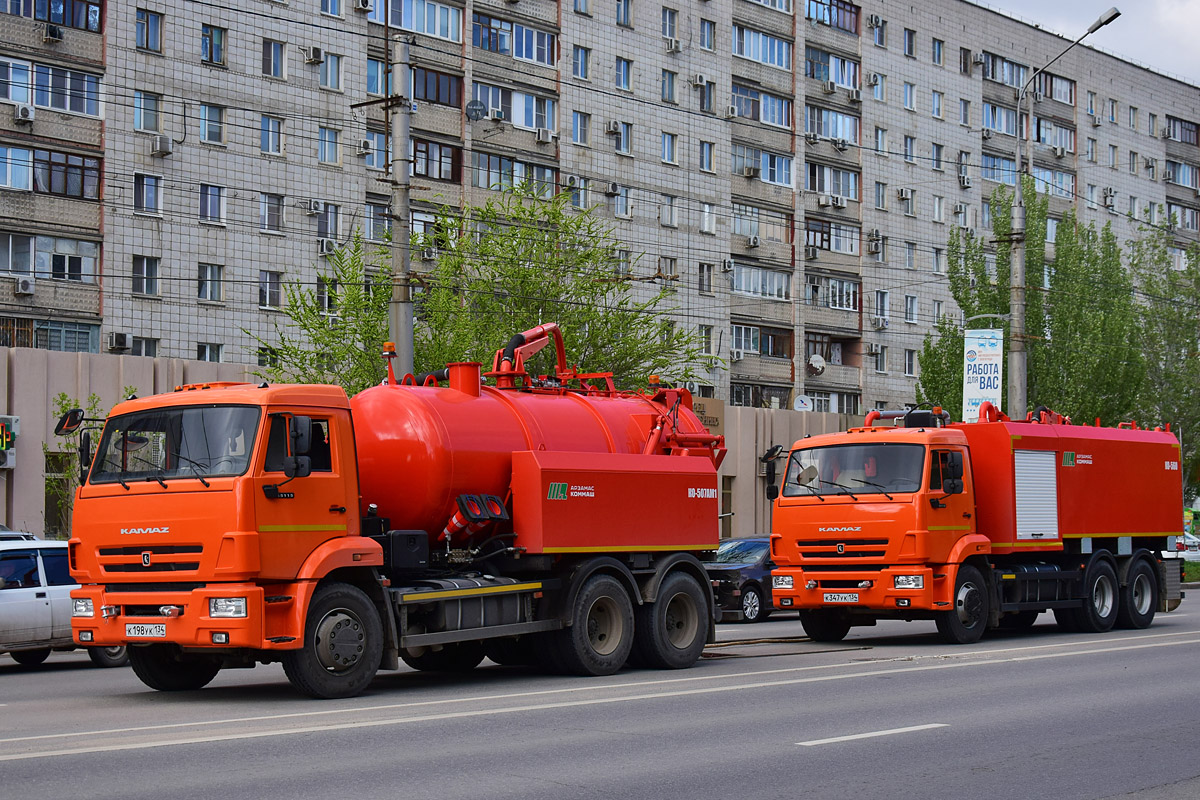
[[983, 370]]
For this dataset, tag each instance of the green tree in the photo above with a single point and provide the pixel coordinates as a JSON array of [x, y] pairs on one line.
[[518, 261], [333, 331]]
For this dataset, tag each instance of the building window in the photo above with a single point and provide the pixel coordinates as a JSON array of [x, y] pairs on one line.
[[269, 288], [212, 203], [708, 218], [380, 150], [936, 154], [881, 195], [625, 13], [624, 138], [270, 212], [212, 124], [210, 284], [146, 111], [624, 75], [148, 30], [669, 142], [580, 62], [622, 207], [428, 17], [440, 162], [142, 346], [669, 18], [54, 173], [910, 363], [910, 96], [964, 112], [271, 138], [327, 296], [705, 332], [329, 224], [208, 351], [668, 86], [707, 150], [939, 205], [938, 310], [666, 211], [583, 7], [377, 221], [331, 7], [839, 14], [910, 43], [579, 192], [331, 72], [581, 127], [147, 193], [762, 47], [274, 58], [939, 48], [66, 90], [936, 106], [881, 359], [437, 87], [212, 45], [910, 148], [378, 82], [879, 35], [708, 34], [145, 275], [939, 266], [910, 308], [328, 149], [880, 87], [882, 304]]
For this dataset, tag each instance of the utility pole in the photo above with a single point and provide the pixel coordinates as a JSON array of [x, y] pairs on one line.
[[400, 310], [1017, 366]]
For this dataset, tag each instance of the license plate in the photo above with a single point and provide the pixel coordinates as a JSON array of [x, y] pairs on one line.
[[841, 597], [139, 631]]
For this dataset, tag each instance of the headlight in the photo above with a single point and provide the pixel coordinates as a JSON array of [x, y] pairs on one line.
[[781, 581], [227, 606], [909, 581], [82, 608]]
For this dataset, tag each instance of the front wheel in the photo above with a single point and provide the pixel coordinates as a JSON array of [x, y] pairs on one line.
[[30, 658], [965, 623], [825, 626], [1139, 597], [670, 632], [343, 644], [108, 656], [168, 669]]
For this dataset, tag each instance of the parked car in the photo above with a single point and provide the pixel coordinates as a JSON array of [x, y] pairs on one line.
[[740, 570], [1188, 546], [35, 603]]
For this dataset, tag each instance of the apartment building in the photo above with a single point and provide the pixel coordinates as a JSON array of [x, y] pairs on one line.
[[790, 171]]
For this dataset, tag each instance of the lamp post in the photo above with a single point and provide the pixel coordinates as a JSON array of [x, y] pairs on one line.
[[1017, 368]]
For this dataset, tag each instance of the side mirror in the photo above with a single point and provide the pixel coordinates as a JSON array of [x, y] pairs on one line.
[[772, 492], [297, 466], [85, 456], [952, 485], [954, 469], [69, 422], [300, 431]]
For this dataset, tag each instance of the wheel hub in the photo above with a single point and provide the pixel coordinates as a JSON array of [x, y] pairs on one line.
[[1142, 593], [750, 605], [681, 621], [1103, 596], [969, 604], [339, 640], [604, 628]]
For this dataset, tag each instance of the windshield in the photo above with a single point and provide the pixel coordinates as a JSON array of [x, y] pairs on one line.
[[176, 442], [854, 469], [737, 551]]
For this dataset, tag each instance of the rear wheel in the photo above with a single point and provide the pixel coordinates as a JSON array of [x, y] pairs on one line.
[[30, 658], [1139, 596], [601, 634], [966, 622], [825, 626], [670, 632], [1099, 611], [343, 644], [108, 656], [452, 657], [168, 669]]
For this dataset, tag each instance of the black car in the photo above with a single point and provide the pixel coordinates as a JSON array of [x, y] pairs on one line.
[[740, 570]]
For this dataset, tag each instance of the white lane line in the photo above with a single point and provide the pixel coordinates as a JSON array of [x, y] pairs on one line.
[[959, 656], [572, 703], [873, 734]]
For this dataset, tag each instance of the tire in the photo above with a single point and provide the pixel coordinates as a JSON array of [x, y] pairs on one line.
[[343, 644], [670, 632], [752, 604], [825, 626], [1019, 621], [452, 657], [108, 656], [30, 658], [512, 651], [166, 668], [1098, 614], [965, 623], [1139, 597], [600, 636]]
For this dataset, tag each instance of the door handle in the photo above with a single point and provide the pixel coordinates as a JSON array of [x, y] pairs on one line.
[[40, 594], [337, 509]]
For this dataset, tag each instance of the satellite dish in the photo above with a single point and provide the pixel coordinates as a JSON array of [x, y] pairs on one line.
[[816, 364], [476, 110]]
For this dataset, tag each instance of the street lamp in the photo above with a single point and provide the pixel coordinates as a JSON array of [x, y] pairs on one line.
[[1017, 370]]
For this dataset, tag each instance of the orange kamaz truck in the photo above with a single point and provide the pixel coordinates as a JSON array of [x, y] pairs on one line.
[[435, 520], [978, 526]]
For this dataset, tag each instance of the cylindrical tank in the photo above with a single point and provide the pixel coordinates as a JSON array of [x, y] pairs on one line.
[[420, 447]]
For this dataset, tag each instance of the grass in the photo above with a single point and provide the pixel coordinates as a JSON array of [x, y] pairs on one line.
[[1191, 571]]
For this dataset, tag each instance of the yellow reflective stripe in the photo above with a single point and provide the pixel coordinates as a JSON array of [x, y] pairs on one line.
[[1053, 542], [262, 528], [949, 527], [1114, 535], [516, 587], [630, 548]]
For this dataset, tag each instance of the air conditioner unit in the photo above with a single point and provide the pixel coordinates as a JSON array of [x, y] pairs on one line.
[[1039, 97], [1169, 176], [429, 254], [674, 45], [874, 21], [52, 33], [1109, 192], [314, 207], [841, 144], [612, 189], [980, 59], [839, 201], [1059, 151], [872, 79], [612, 126], [699, 79], [365, 146], [880, 323], [751, 172], [964, 181], [855, 95], [873, 348], [727, 265], [1150, 163], [118, 340], [572, 181], [904, 194], [363, 5], [23, 113], [811, 138], [874, 247], [810, 252], [986, 133], [731, 112], [825, 200], [545, 136], [875, 233], [1096, 122], [1165, 132], [968, 231], [753, 241], [23, 286], [736, 355], [829, 87], [326, 246], [960, 208], [313, 55], [162, 146], [496, 115]]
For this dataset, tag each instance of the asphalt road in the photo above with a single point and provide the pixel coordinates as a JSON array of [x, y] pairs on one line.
[[890, 712]]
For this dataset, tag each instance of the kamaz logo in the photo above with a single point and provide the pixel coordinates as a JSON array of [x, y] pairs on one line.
[[839, 530], [136, 531], [558, 491]]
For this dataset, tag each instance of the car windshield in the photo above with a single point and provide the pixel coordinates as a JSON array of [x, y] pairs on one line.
[[176, 442], [854, 469], [737, 551]]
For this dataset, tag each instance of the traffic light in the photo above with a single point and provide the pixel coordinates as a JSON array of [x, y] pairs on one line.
[[10, 427]]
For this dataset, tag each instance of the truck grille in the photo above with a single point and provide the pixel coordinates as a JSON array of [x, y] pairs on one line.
[[850, 548], [148, 559]]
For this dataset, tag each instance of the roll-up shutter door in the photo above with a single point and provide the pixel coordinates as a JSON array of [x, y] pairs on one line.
[[1037, 494]]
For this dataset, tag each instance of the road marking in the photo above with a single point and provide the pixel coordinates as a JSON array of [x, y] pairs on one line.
[[873, 734], [569, 703]]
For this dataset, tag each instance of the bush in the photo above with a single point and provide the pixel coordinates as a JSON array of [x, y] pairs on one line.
[[1191, 571]]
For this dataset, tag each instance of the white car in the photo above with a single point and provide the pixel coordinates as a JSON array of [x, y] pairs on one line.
[[35, 602]]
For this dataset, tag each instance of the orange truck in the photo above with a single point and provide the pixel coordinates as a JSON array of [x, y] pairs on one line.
[[979, 525], [435, 520]]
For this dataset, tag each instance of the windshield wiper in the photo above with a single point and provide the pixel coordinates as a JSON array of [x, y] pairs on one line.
[[845, 489], [195, 465], [876, 485], [157, 477], [812, 492]]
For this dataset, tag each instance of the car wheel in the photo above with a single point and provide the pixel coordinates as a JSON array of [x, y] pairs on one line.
[[30, 658], [108, 656], [752, 604]]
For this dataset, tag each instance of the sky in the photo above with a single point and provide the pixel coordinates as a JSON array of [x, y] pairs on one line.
[[1162, 34]]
